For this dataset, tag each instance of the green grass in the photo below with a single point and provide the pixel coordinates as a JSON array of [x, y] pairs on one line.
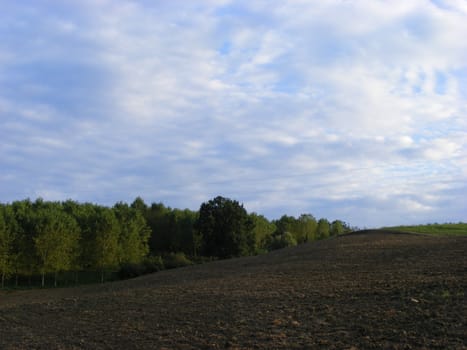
[[435, 229]]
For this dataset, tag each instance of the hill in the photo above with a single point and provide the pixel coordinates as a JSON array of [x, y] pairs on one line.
[[374, 289], [434, 229]]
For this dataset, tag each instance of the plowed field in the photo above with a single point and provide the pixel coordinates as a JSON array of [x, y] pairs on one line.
[[367, 290]]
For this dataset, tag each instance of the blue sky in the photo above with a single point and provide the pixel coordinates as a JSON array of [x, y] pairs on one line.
[[352, 110]]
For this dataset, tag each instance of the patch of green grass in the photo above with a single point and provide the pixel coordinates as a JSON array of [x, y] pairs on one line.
[[458, 229]]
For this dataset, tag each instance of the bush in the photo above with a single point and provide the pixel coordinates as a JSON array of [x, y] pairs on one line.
[[203, 259], [149, 265], [174, 260], [153, 264], [281, 241], [131, 270]]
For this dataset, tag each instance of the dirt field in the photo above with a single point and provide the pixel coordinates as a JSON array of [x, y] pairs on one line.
[[371, 290]]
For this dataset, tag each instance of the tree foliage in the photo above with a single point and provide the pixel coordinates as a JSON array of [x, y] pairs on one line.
[[134, 234], [281, 240], [337, 228], [324, 229], [263, 230], [226, 228], [39, 239], [7, 239], [56, 237], [105, 241], [305, 228]]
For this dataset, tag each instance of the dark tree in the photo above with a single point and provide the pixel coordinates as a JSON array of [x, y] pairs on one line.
[[139, 205], [226, 228], [157, 220], [7, 240], [285, 224]]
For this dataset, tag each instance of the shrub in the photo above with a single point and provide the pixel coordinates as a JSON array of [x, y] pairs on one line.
[[174, 260], [150, 264], [131, 270], [281, 241], [153, 263]]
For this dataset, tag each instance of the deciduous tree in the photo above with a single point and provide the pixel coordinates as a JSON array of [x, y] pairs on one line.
[[323, 228], [305, 228], [263, 230], [226, 228], [106, 240], [7, 238], [337, 228], [56, 240], [134, 234]]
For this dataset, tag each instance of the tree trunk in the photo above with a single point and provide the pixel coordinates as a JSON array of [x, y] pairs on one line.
[[55, 278], [43, 280]]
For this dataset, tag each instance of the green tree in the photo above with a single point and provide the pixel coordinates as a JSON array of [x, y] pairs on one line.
[[337, 228], [26, 261], [281, 240], [105, 243], [226, 228], [87, 217], [323, 228], [134, 234], [285, 224], [56, 240], [100, 237], [7, 239], [263, 231], [139, 205], [304, 228]]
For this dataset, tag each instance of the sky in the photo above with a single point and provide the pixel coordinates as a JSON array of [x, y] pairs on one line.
[[350, 110]]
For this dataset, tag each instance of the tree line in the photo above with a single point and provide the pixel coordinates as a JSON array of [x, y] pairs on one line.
[[43, 238]]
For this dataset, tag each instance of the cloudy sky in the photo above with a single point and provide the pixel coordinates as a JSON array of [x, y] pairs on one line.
[[352, 110]]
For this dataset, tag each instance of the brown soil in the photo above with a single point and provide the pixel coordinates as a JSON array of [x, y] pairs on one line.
[[373, 290]]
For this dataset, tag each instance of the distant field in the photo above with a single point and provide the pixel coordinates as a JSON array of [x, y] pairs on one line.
[[435, 229]]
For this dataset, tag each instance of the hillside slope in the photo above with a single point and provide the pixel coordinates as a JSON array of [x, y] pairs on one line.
[[368, 290]]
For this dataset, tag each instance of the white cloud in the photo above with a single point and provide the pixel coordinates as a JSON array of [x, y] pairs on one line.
[[440, 149], [340, 107]]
